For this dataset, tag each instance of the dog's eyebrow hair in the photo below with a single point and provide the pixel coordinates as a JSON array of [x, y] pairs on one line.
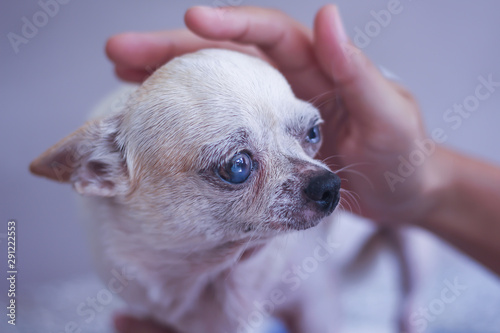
[[316, 120], [299, 126], [214, 152]]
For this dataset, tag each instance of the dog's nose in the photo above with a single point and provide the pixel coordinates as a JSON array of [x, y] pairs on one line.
[[324, 190]]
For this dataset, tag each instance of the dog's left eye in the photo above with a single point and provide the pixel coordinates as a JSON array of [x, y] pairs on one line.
[[313, 136], [238, 169]]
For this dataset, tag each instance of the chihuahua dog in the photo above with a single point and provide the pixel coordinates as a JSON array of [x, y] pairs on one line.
[[203, 184]]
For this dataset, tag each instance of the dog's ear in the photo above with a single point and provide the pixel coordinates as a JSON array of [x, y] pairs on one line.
[[90, 158]]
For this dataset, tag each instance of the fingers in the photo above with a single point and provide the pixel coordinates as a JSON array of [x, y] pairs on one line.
[[285, 41], [127, 324], [266, 33], [138, 55], [132, 74], [360, 84]]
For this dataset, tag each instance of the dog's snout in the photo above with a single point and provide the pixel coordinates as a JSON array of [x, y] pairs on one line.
[[324, 190]]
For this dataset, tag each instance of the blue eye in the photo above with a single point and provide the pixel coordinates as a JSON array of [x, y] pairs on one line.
[[238, 169], [313, 136]]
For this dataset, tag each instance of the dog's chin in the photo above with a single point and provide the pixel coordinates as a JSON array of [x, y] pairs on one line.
[[300, 223], [304, 223], [307, 219]]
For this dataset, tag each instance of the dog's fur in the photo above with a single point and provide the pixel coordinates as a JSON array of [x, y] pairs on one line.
[[204, 252]]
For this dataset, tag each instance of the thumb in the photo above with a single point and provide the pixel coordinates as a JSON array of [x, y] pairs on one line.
[[363, 90]]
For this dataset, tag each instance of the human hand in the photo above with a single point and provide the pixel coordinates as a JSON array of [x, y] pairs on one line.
[[369, 121]]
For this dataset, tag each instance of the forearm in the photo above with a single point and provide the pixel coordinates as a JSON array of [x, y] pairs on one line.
[[467, 210]]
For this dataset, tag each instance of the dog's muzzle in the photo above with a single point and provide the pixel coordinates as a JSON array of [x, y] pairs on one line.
[[324, 191]]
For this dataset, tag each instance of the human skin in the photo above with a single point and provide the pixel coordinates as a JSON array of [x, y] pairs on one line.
[[370, 122]]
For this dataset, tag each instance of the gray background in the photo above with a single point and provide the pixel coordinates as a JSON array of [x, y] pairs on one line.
[[438, 50]]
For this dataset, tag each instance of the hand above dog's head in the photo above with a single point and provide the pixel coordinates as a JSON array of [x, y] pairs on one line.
[[214, 143]]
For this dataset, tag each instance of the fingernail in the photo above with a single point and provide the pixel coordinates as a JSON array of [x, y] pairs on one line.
[[215, 11], [203, 7]]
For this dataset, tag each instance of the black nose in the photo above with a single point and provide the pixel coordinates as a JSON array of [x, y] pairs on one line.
[[324, 190]]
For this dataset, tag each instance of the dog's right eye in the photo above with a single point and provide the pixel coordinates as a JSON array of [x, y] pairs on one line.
[[238, 169]]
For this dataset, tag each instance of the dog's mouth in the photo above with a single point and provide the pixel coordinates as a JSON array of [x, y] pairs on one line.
[[293, 225], [302, 225], [309, 217]]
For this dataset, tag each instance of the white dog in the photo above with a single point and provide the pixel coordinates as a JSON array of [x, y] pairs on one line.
[[198, 186]]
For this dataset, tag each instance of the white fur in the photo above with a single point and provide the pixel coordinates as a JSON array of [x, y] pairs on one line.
[[157, 209]]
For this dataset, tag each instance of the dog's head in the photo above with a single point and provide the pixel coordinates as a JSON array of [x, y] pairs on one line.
[[213, 144]]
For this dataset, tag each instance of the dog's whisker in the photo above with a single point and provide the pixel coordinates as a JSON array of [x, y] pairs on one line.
[[363, 176], [348, 167], [349, 192], [325, 160], [343, 204], [322, 95], [352, 196], [331, 166]]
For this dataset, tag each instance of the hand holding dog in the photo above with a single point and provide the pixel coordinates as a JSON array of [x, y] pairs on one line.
[[370, 121]]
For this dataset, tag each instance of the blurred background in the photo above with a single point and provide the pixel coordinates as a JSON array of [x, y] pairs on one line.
[[56, 73]]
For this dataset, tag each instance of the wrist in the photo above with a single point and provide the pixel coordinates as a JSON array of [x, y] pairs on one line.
[[441, 189], [464, 209]]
